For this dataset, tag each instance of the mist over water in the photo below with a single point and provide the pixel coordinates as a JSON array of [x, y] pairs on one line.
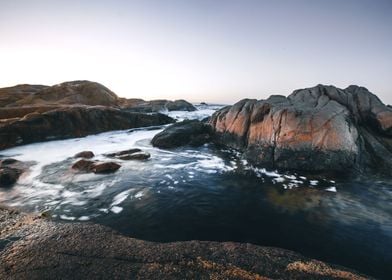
[[209, 193]]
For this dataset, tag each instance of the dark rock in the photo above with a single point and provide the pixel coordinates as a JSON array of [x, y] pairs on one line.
[[317, 129], [69, 122], [180, 105], [125, 152], [84, 154], [83, 165], [135, 156], [7, 161], [105, 167], [8, 176], [188, 132], [90, 251], [10, 171]]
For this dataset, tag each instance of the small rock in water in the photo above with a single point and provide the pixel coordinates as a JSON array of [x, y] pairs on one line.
[[105, 167], [83, 165], [8, 161], [8, 177], [84, 154], [135, 156]]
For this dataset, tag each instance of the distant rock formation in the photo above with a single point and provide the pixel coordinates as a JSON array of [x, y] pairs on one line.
[[323, 128], [44, 98], [72, 121]]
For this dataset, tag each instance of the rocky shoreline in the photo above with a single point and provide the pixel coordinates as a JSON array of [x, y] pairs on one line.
[[33, 247]]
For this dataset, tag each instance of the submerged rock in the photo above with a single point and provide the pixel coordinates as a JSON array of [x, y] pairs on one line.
[[105, 167], [84, 154], [83, 165], [317, 129], [125, 152], [10, 171], [188, 132], [135, 156]]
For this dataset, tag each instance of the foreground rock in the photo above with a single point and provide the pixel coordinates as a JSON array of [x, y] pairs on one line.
[[10, 171], [317, 129], [188, 132], [69, 122], [34, 248]]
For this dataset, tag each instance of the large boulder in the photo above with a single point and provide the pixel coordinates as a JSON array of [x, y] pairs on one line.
[[323, 128], [188, 132], [73, 121]]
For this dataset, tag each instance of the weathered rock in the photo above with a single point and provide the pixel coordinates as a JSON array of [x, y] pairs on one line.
[[36, 248], [69, 122], [317, 129], [83, 165], [105, 167], [125, 152], [188, 132], [84, 154], [135, 156]]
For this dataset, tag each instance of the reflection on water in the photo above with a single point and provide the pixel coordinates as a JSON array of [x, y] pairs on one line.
[[209, 193]]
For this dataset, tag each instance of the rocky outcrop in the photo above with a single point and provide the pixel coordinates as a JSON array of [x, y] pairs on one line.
[[74, 121], [323, 128], [139, 105], [35, 248], [20, 100], [188, 132]]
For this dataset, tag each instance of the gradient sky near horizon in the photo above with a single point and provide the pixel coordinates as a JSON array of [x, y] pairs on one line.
[[214, 51]]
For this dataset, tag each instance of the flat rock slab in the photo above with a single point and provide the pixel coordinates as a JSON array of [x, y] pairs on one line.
[[35, 248]]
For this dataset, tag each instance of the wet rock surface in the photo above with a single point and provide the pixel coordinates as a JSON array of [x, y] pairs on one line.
[[323, 128], [35, 248], [10, 171], [85, 154], [84, 165], [70, 122], [188, 132]]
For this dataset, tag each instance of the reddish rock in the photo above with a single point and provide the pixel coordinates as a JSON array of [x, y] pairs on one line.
[[83, 165], [105, 167], [317, 129]]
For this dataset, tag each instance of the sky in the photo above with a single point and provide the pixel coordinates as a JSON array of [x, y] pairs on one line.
[[213, 51]]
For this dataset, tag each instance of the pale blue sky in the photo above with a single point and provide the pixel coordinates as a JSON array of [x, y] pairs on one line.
[[214, 51]]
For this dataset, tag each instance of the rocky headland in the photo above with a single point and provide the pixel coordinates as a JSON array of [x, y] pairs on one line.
[[319, 129]]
